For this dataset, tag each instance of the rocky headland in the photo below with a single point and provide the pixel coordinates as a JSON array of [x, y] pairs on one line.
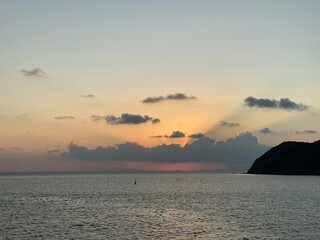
[[289, 158]]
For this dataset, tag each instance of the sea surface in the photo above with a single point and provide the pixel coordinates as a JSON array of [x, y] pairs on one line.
[[159, 206]]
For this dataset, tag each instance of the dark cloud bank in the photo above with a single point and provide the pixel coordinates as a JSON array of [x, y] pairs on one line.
[[237, 153], [125, 118], [283, 103], [36, 72], [170, 97]]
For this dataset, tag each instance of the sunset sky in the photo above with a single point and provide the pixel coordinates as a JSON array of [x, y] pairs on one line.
[[217, 82]]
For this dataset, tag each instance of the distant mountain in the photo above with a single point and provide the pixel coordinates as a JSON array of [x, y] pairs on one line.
[[289, 158]]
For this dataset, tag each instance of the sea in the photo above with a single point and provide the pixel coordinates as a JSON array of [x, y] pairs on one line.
[[159, 206]]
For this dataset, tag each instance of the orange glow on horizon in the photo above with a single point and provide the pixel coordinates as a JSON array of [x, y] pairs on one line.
[[38, 164], [160, 166]]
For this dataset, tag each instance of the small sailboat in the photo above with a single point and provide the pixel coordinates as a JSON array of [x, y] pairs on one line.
[[135, 182]]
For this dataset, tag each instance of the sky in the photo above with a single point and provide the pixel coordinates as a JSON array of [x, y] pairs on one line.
[[155, 85]]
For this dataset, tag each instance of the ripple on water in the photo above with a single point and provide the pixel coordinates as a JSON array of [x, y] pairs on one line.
[[161, 206]]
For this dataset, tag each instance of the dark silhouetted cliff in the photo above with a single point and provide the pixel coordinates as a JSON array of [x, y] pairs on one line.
[[289, 158]]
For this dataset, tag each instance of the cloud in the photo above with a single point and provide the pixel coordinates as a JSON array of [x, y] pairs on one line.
[[179, 134], [126, 118], [306, 132], [97, 118], [310, 131], [227, 124], [176, 134], [155, 120], [16, 148], [260, 103], [283, 103], [21, 116], [286, 103], [2, 149], [64, 117], [196, 135], [266, 131], [36, 72], [170, 97], [153, 99], [156, 136], [238, 152], [53, 151], [87, 96], [179, 96]]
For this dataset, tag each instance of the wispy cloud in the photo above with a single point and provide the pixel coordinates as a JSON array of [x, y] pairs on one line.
[[87, 96], [179, 134], [21, 117], [306, 132], [64, 117], [170, 97], [156, 136], [229, 124], [268, 131], [283, 103], [36, 72], [153, 99], [53, 151], [97, 118], [126, 118], [16, 148]]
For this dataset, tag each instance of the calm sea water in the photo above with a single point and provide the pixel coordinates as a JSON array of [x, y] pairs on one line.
[[160, 206]]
